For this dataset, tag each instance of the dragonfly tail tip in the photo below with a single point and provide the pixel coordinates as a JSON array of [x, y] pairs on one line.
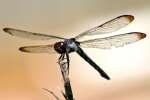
[[108, 78]]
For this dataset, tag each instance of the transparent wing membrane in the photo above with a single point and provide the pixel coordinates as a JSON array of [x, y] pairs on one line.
[[30, 35], [113, 41], [38, 49], [110, 26]]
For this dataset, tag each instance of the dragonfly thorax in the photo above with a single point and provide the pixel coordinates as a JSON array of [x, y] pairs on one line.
[[68, 45]]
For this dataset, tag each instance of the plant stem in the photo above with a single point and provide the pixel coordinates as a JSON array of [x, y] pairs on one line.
[[63, 63]]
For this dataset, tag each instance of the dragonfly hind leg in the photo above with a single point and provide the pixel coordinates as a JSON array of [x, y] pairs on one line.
[[68, 61]]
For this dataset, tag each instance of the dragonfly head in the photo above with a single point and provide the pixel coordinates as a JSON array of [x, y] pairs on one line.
[[60, 47]]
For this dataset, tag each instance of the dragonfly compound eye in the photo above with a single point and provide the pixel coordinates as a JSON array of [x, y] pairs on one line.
[[60, 47]]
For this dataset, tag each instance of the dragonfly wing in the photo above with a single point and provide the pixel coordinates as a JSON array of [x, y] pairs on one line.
[[38, 49], [113, 41], [110, 26], [30, 35]]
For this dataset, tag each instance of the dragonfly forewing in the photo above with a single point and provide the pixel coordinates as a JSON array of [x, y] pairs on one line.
[[30, 35], [108, 27]]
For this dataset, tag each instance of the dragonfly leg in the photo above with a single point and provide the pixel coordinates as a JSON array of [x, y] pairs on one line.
[[68, 61], [61, 57]]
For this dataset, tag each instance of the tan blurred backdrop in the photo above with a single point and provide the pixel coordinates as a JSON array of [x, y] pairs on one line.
[[22, 76]]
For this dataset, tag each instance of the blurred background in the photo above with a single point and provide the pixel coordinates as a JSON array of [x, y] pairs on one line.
[[22, 75]]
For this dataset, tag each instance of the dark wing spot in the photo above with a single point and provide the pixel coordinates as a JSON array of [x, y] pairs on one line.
[[129, 17], [141, 35], [7, 30], [23, 49]]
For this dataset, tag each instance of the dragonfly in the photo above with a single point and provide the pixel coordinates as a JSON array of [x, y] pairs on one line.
[[65, 46]]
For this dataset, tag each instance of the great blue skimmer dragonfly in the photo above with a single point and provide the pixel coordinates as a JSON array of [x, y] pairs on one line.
[[66, 46]]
